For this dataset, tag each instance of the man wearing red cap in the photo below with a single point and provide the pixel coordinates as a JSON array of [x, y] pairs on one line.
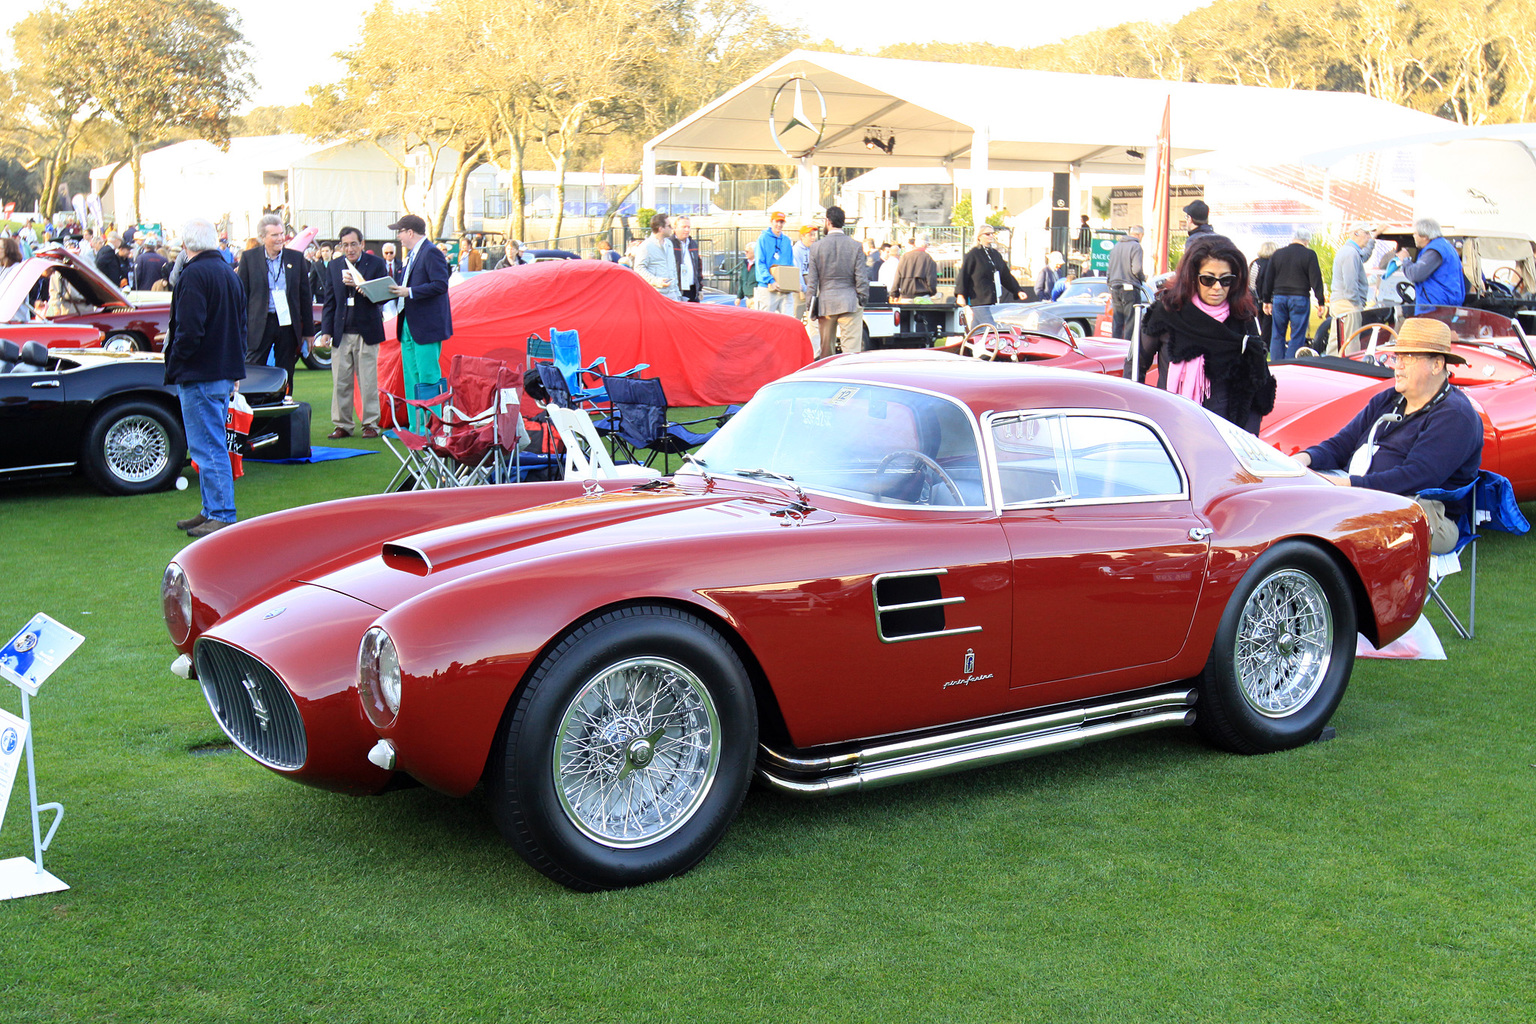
[[774, 249]]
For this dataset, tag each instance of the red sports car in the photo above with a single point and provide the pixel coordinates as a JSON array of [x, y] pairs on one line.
[[123, 325], [887, 566], [1318, 395]]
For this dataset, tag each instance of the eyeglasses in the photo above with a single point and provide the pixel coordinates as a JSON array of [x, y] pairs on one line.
[[1391, 359], [1225, 280]]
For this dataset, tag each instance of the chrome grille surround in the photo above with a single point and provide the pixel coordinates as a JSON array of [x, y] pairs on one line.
[[251, 705]]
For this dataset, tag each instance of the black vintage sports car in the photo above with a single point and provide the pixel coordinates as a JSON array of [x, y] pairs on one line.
[[108, 413]]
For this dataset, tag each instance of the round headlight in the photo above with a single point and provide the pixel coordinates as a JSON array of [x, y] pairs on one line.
[[378, 676], [176, 603]]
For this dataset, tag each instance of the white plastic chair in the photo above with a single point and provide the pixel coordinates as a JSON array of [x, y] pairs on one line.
[[585, 456]]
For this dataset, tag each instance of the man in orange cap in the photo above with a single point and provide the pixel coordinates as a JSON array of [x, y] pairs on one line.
[[1422, 434]]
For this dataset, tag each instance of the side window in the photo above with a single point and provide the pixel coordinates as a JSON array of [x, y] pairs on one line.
[[1081, 457]]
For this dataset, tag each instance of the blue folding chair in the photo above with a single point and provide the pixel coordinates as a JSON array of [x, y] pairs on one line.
[[566, 354], [637, 421], [1490, 504]]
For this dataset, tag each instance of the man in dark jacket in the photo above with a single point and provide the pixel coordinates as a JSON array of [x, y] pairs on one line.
[[1292, 272], [425, 320], [685, 253], [280, 315], [984, 278], [1421, 434], [205, 358], [110, 263], [150, 267], [353, 327], [1126, 277], [1199, 219]]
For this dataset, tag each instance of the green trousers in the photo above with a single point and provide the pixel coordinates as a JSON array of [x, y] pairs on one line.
[[421, 364]]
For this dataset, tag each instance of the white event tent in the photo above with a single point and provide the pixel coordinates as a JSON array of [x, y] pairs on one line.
[[987, 119]]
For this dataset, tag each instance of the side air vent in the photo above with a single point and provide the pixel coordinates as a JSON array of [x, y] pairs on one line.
[[910, 606]]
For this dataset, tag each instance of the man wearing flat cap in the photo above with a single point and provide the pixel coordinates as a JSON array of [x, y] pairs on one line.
[[425, 321], [1199, 218], [1422, 434]]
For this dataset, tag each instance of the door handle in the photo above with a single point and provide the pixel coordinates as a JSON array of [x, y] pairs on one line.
[[46, 384], [1200, 532]]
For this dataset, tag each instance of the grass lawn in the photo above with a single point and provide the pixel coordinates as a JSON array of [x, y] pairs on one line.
[[1383, 876]]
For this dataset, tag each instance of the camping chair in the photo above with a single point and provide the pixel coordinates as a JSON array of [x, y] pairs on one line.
[[566, 349], [637, 421], [585, 456], [1490, 504]]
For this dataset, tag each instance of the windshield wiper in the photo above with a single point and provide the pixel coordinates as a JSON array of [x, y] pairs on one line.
[[694, 460]]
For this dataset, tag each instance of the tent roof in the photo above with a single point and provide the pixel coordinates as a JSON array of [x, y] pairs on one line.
[[1036, 120]]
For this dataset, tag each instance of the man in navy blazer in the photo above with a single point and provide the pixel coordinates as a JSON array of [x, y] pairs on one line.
[[425, 321], [353, 326], [280, 316]]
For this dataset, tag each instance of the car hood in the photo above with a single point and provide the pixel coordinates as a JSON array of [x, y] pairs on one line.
[[87, 280], [613, 521], [1313, 402]]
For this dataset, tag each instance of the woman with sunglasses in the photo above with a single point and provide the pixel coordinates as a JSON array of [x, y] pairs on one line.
[[1204, 333]]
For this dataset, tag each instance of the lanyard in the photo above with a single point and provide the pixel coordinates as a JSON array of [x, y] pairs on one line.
[[275, 272]]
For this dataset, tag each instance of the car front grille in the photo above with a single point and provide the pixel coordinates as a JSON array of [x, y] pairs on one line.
[[251, 704]]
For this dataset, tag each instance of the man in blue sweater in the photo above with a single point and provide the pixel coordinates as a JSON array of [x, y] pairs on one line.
[[774, 249], [1422, 434]]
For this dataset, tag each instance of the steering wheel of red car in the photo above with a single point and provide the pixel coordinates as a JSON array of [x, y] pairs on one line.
[[1510, 276], [922, 460], [990, 341], [1368, 353]]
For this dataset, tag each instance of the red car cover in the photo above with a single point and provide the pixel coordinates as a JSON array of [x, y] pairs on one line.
[[704, 354]]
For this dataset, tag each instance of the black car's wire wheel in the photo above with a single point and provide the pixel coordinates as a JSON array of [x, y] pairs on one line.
[[133, 447], [1283, 653], [626, 755]]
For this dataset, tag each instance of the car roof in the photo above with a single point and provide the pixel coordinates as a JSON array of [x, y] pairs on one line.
[[986, 386]]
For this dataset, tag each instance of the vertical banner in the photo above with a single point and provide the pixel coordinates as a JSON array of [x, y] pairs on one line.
[[1159, 221]]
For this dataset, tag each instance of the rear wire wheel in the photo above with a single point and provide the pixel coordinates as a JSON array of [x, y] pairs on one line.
[[1282, 656]]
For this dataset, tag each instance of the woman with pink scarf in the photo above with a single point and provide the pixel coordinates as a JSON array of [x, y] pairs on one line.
[[1204, 332]]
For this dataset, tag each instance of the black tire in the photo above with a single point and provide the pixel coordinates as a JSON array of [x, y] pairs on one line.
[[1282, 656], [318, 357], [133, 447], [686, 736], [124, 341]]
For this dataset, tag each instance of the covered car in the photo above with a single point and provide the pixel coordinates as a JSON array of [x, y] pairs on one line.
[[887, 566], [704, 354]]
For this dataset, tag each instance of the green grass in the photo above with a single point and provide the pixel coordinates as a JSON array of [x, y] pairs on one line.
[[1383, 876]]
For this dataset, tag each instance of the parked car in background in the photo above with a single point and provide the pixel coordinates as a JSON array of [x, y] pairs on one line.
[[888, 566], [108, 414]]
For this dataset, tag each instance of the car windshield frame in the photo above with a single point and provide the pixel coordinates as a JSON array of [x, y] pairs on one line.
[[820, 402]]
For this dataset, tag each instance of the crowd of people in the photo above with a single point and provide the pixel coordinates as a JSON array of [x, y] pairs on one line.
[[1209, 334]]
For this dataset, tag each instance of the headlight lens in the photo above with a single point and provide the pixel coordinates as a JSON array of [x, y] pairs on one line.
[[378, 676], [176, 603]]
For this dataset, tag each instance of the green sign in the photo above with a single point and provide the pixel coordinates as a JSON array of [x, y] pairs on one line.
[[1098, 258]]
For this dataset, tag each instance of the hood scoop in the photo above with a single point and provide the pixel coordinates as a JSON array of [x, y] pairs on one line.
[[424, 553]]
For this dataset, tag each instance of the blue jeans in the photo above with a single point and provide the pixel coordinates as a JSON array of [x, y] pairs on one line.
[[1290, 310], [204, 409]]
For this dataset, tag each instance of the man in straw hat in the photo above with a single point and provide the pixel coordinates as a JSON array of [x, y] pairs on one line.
[[1423, 433]]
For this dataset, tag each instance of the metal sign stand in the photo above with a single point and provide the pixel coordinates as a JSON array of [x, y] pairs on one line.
[[23, 876], [31, 657]]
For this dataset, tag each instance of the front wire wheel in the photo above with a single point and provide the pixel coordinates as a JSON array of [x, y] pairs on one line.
[[626, 755], [1283, 653], [636, 752]]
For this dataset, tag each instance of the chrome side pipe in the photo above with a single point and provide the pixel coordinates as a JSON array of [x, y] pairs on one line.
[[941, 754]]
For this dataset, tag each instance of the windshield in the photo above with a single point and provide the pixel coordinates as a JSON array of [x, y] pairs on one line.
[[1085, 288], [1481, 327], [864, 441]]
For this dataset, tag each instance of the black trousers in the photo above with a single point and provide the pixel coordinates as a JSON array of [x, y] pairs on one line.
[[1123, 302], [277, 339]]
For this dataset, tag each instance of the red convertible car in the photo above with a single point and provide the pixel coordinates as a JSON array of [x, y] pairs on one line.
[[887, 566], [1317, 395]]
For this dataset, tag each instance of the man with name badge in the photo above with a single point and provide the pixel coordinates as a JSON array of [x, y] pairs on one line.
[[355, 326], [280, 308]]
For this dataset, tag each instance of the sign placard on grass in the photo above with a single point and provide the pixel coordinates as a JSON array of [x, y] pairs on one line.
[[13, 737], [41, 646]]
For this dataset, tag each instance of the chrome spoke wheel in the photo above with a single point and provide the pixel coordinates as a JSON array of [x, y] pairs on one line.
[[636, 752], [1284, 643], [136, 448]]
